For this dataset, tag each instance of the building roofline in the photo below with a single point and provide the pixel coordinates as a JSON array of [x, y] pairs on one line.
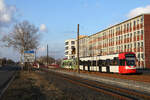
[[70, 39], [119, 23], [83, 37]]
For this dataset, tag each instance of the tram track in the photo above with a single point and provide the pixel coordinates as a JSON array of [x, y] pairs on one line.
[[118, 93], [121, 91]]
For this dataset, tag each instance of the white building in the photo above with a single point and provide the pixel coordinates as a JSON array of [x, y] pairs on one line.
[[69, 45]]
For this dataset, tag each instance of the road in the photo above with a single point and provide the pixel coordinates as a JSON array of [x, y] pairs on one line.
[[5, 75]]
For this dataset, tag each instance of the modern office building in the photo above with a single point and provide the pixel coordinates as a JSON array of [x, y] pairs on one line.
[[132, 35], [69, 46]]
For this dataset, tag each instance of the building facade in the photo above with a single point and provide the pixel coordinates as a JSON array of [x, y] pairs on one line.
[[69, 46], [132, 35]]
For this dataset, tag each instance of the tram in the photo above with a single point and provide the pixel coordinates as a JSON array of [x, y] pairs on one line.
[[122, 63]]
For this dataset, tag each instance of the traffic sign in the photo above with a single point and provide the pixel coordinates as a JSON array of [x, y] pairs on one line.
[[29, 56], [29, 51]]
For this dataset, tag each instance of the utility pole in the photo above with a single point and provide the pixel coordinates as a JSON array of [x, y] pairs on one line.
[[35, 55], [47, 55], [78, 49]]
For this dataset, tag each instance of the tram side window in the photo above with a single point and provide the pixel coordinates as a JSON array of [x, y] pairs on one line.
[[94, 63], [116, 61], [111, 62], [89, 63], [84, 63], [122, 62], [107, 62], [70, 63], [80, 62], [100, 63], [67, 63], [103, 62], [63, 63]]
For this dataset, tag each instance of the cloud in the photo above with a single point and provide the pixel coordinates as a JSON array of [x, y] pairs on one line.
[[43, 28], [138, 11], [7, 14]]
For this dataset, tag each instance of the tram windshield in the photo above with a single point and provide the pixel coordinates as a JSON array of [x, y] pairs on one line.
[[130, 61]]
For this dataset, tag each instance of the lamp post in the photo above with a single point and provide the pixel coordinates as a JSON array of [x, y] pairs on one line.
[[47, 55], [78, 49]]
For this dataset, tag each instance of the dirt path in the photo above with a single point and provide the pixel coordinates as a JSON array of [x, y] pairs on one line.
[[46, 86]]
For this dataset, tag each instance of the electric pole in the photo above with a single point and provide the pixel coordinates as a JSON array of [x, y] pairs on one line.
[[47, 55], [78, 49], [35, 56]]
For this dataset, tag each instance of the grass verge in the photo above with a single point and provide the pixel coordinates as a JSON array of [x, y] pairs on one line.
[[31, 86]]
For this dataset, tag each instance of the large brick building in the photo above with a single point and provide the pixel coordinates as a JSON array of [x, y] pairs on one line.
[[130, 35]]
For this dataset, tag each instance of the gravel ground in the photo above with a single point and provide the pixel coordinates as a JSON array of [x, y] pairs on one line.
[[119, 82], [74, 92], [41, 85]]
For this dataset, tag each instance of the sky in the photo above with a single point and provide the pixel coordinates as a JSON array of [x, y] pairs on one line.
[[57, 19]]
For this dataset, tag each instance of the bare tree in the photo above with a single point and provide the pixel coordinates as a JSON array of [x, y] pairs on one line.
[[24, 36]]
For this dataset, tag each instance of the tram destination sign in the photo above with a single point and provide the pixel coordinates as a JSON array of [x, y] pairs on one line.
[[130, 55], [29, 56]]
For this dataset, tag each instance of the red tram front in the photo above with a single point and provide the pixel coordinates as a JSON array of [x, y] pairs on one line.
[[127, 63], [115, 63]]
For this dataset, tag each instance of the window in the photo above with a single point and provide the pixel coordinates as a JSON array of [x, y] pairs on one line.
[[134, 45], [124, 26], [116, 30], [142, 32], [127, 26], [72, 47], [134, 23], [134, 33], [125, 46], [121, 28], [115, 61], [130, 24], [138, 44], [141, 44], [138, 21], [138, 32], [141, 19], [66, 53], [128, 36], [130, 62], [131, 35], [142, 56], [72, 42], [116, 38], [66, 43], [66, 48], [125, 36], [139, 56]]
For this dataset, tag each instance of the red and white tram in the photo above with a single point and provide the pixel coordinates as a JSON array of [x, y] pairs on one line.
[[116, 63]]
